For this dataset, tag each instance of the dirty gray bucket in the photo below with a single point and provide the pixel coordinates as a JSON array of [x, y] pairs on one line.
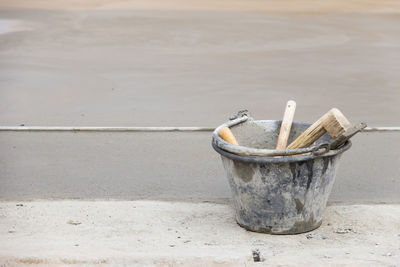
[[275, 194]]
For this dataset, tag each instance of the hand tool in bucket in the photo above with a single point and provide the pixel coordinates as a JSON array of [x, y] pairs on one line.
[[334, 123], [228, 136]]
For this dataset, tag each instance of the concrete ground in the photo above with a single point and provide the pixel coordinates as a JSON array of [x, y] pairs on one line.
[[188, 63], [176, 166], [178, 63], [152, 233]]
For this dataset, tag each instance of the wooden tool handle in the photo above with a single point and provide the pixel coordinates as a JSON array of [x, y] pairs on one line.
[[333, 122], [286, 125], [347, 135], [228, 136]]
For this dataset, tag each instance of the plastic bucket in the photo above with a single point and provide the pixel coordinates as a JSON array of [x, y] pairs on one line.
[[275, 194]]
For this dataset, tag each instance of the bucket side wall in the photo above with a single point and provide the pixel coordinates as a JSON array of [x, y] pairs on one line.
[[281, 198]]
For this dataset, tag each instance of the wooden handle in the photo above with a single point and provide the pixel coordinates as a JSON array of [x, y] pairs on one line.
[[286, 125], [228, 136], [347, 135], [333, 122]]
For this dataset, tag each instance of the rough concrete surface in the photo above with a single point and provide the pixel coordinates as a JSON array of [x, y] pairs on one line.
[[146, 233]]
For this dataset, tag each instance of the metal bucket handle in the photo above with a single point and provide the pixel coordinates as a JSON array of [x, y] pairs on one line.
[[242, 116]]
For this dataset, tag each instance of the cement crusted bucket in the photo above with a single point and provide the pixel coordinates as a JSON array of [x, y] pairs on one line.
[[277, 195]]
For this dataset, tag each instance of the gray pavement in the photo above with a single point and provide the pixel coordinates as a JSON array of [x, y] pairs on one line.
[[160, 67], [167, 166], [154, 67]]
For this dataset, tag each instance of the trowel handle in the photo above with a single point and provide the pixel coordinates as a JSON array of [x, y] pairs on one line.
[[286, 125], [228, 136]]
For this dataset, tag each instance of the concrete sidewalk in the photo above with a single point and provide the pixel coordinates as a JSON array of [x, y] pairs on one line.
[[146, 233]]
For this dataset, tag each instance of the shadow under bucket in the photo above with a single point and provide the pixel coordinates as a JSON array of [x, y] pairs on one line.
[[276, 195]]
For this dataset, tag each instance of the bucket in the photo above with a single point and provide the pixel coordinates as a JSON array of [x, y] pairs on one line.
[[277, 191]]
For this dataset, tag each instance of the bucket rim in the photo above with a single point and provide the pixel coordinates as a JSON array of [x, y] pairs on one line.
[[261, 159], [268, 155]]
